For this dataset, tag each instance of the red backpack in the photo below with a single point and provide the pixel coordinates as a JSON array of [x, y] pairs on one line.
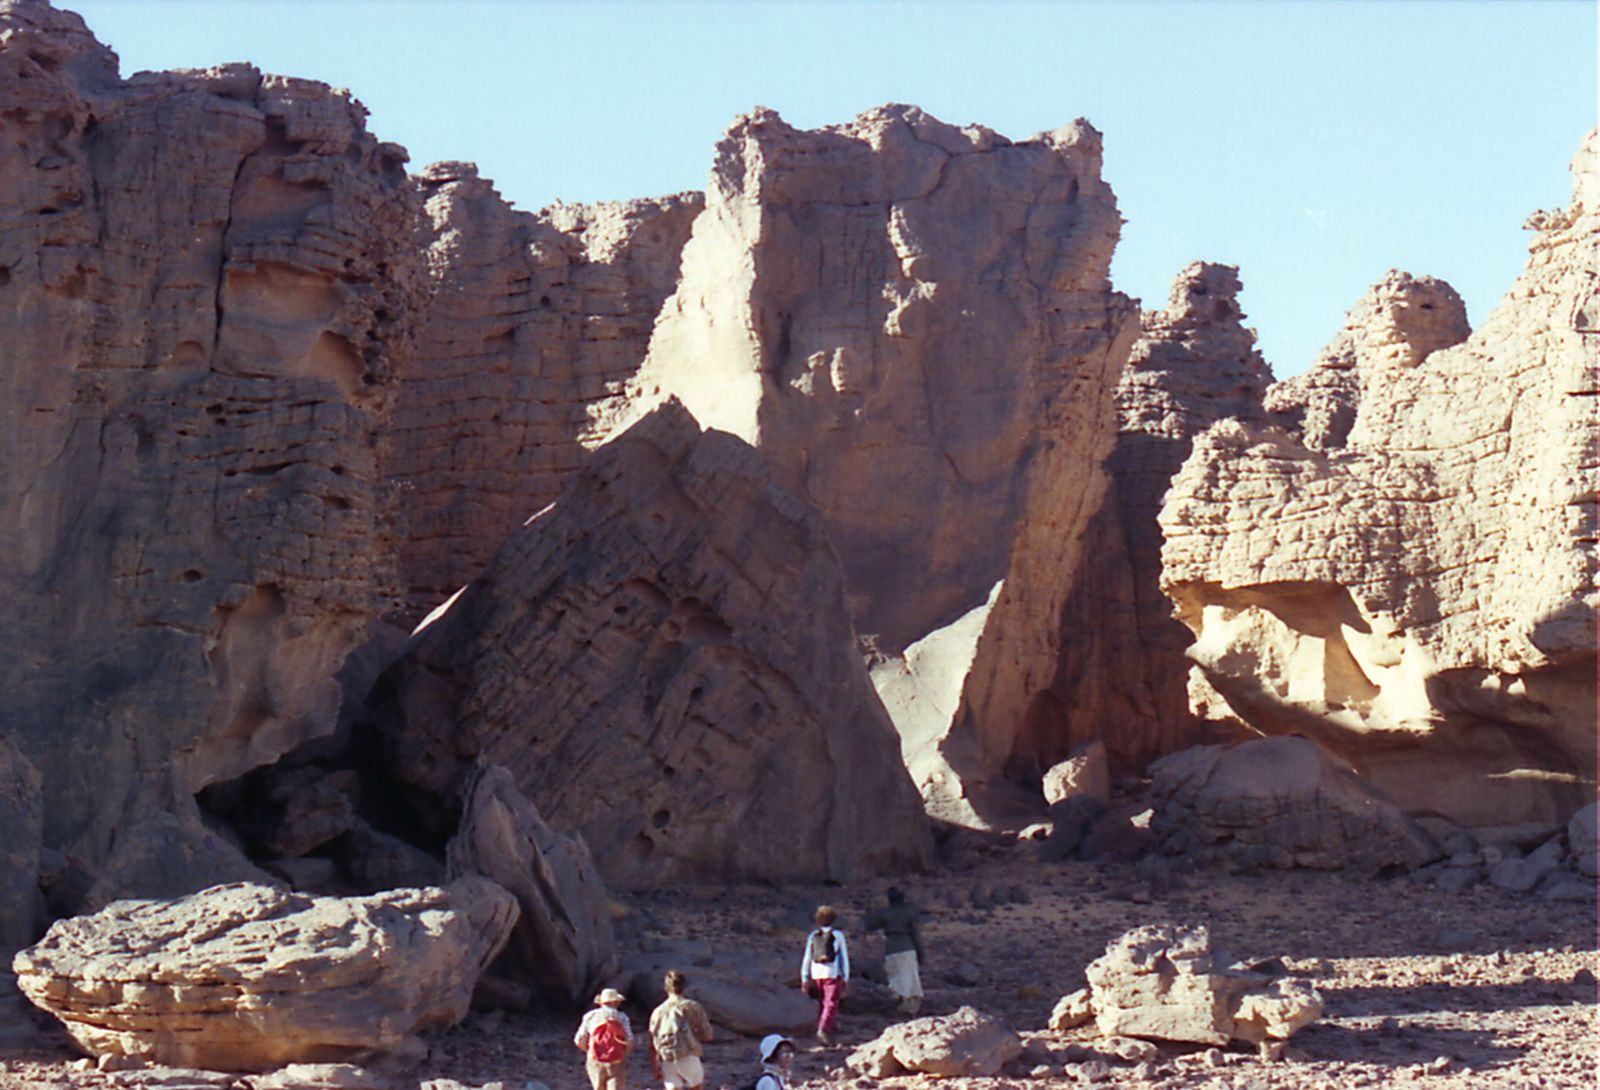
[[606, 1043]]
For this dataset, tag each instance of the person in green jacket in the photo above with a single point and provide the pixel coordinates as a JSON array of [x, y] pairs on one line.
[[902, 944]]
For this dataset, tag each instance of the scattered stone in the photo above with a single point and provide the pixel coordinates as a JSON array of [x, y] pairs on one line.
[[246, 977], [318, 1077], [967, 1042], [1083, 773], [1131, 1049]]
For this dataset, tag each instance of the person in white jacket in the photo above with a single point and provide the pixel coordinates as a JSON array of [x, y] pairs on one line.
[[825, 970]]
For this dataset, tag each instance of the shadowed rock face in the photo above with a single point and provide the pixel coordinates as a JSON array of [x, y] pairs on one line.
[[203, 283], [664, 659], [530, 320], [1121, 677], [1422, 599]]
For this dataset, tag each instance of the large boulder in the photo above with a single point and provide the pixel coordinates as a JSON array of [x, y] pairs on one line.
[[562, 947], [21, 825], [663, 660], [914, 322], [1283, 802], [1159, 983], [967, 1042], [1582, 837], [247, 977], [1413, 587], [530, 321], [208, 277]]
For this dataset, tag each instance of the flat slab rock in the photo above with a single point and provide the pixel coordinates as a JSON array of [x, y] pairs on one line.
[[1159, 983], [247, 977], [967, 1042]]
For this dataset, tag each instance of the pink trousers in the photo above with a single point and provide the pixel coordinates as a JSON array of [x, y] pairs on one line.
[[828, 992]]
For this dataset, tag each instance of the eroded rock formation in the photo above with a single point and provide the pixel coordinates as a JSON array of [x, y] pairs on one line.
[[205, 278], [21, 828], [1420, 599], [837, 297], [562, 948], [1121, 679], [664, 659], [530, 320], [247, 977]]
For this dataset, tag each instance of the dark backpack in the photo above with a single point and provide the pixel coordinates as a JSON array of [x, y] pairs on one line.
[[823, 948]]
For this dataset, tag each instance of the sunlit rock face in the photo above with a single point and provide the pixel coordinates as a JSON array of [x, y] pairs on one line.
[[913, 322], [1420, 597], [204, 284], [529, 321]]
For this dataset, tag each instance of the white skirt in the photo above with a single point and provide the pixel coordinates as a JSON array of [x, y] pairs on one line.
[[905, 980]]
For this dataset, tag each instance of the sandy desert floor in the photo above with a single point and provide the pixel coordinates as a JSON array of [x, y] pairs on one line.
[[1442, 990]]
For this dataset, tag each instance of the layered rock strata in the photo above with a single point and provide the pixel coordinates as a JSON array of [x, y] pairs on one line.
[[247, 977], [1121, 680], [529, 321], [914, 322], [663, 658], [1421, 600], [205, 279], [562, 948]]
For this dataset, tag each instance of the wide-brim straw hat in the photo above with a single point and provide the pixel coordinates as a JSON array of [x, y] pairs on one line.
[[609, 996]]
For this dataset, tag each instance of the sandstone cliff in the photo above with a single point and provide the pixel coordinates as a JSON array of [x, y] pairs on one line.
[[529, 320], [1121, 679], [205, 280], [663, 659], [914, 323], [1421, 598]]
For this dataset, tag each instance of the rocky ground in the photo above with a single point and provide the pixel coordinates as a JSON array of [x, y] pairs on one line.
[[1445, 990]]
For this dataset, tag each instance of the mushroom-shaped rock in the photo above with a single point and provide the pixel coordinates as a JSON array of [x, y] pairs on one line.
[[247, 977]]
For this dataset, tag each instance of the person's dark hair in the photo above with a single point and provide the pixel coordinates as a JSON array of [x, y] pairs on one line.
[[896, 895], [675, 982], [826, 915]]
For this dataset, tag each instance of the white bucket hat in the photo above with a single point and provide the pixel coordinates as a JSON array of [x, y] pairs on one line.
[[769, 1046]]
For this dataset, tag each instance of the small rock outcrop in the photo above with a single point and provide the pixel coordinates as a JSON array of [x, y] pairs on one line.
[[529, 320], [206, 279], [835, 296], [967, 1043], [1281, 802], [562, 947], [1121, 678], [1420, 597], [249, 978], [1159, 983], [1399, 323], [663, 659]]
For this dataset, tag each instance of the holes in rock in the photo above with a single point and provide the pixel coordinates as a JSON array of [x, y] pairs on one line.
[[667, 772], [337, 503], [188, 354], [192, 575], [660, 819], [696, 693], [5, 275], [49, 64], [544, 300]]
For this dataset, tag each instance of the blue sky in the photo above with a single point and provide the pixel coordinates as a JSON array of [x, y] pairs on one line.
[[1315, 145]]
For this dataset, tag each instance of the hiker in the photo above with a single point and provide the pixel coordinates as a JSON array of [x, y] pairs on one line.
[[605, 1037], [777, 1056], [825, 970], [678, 1029], [902, 948]]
